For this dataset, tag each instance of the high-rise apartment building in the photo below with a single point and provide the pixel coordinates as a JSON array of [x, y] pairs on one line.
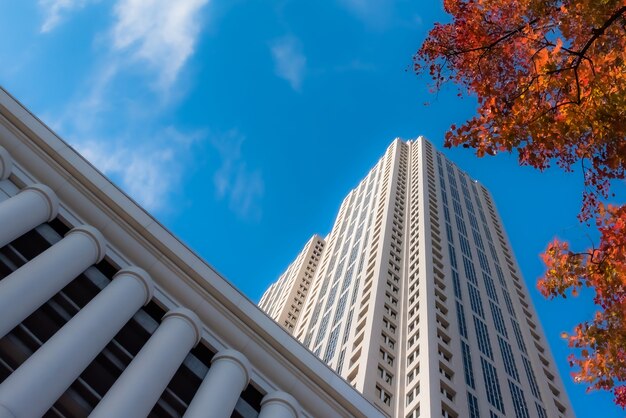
[[418, 301], [284, 299]]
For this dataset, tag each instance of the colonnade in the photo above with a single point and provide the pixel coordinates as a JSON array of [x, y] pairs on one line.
[[35, 386]]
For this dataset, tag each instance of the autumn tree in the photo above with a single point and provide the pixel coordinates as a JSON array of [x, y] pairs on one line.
[[550, 80]]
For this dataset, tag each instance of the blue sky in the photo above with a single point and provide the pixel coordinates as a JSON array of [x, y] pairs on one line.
[[241, 125]]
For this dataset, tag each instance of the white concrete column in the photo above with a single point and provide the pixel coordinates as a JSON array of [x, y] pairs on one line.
[[30, 286], [6, 164], [34, 387], [140, 386], [279, 405], [29, 208], [217, 395]]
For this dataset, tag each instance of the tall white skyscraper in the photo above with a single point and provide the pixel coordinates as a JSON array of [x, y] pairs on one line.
[[417, 300], [284, 299]]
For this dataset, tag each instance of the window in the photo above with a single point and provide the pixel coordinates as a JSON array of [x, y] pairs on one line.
[[490, 375], [383, 395], [479, 243], [322, 331], [331, 297], [341, 305], [347, 279], [499, 273], [465, 247], [541, 412], [518, 336], [532, 381], [346, 331], [467, 365], [355, 292], [393, 288], [509, 360], [473, 222], [332, 344], [388, 325], [509, 304], [452, 252], [386, 376], [483, 338], [470, 273], [340, 361], [388, 358], [459, 222], [472, 403], [390, 312], [461, 319], [498, 320], [457, 284], [475, 301], [490, 286], [519, 403], [388, 340], [391, 299]]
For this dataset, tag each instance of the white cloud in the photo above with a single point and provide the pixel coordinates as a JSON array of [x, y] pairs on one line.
[[375, 13], [115, 120], [289, 61], [54, 11], [148, 171], [233, 181], [162, 33]]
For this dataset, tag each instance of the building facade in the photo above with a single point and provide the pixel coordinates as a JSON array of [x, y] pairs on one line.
[[284, 299], [104, 313], [418, 300]]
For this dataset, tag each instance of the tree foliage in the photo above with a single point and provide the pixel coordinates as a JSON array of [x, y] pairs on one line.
[[550, 80], [603, 269]]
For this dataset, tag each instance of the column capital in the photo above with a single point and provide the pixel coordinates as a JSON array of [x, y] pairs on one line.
[[48, 195], [282, 398], [95, 235], [6, 164], [142, 277], [189, 316], [235, 357]]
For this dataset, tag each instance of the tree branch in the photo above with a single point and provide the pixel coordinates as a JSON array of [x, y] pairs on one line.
[[597, 33]]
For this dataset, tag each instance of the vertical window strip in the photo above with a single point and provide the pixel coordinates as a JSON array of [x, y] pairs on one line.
[[461, 318], [519, 402], [518, 336], [532, 381], [475, 301], [509, 360], [467, 365], [472, 403], [483, 338], [490, 375], [498, 319]]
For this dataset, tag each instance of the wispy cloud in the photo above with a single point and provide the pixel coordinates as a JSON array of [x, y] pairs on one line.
[[149, 171], [289, 60], [116, 119], [162, 33], [375, 13], [55, 10], [234, 181]]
